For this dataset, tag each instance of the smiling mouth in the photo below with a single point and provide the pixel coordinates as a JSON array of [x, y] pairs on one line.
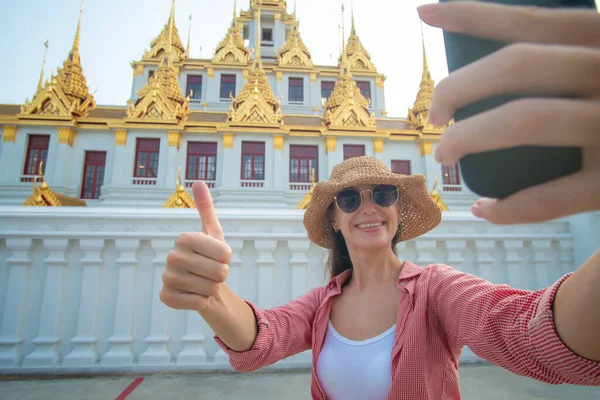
[[369, 225]]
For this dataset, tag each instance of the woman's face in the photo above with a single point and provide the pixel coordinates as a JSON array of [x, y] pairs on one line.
[[370, 226]]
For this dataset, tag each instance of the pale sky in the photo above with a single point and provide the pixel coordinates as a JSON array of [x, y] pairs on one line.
[[116, 32]]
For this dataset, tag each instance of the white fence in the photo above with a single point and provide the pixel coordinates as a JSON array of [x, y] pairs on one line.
[[79, 286]]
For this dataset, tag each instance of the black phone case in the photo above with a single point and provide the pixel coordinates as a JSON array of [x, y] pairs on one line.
[[500, 173]]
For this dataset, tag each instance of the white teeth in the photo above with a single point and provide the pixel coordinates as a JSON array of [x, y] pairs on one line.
[[370, 225]]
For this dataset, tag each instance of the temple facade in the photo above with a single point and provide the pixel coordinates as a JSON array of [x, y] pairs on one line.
[[258, 121]]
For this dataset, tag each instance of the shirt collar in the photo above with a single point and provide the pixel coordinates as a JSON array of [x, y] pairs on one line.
[[409, 272]]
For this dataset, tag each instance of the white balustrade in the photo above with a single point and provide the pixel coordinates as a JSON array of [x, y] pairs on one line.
[[109, 262]]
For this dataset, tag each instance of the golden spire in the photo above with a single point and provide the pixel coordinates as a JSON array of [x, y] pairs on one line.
[[187, 51], [161, 99], [232, 50], [169, 36], [39, 87], [43, 196], [180, 198], [419, 114], [437, 198], [303, 205], [358, 57], [294, 52], [256, 104], [346, 106], [67, 94]]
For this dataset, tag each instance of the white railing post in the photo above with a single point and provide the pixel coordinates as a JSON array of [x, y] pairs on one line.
[[513, 261], [14, 313], [299, 265], [485, 260], [425, 249], [84, 351], [46, 352], [121, 351], [455, 248], [542, 262], [266, 265]]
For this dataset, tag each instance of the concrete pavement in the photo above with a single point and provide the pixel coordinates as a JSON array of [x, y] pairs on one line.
[[478, 382]]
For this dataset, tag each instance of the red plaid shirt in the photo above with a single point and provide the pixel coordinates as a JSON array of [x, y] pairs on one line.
[[440, 311]]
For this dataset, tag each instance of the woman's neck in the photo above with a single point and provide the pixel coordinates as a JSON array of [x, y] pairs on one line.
[[373, 268]]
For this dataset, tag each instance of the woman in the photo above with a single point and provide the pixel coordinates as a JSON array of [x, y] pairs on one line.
[[386, 329]]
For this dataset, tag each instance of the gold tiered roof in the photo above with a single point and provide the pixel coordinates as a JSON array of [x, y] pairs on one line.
[[256, 104], [359, 58], [232, 49], [161, 99], [66, 95], [418, 116], [167, 41], [43, 196], [347, 107], [294, 52], [269, 3], [180, 198]]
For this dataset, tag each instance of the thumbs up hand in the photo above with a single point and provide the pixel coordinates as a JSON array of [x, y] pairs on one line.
[[198, 265]]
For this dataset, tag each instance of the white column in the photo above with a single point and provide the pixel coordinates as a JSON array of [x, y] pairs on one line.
[[172, 152], [425, 249], [266, 265], [193, 352], [85, 353], [121, 351], [233, 281], [278, 167], [46, 351], [231, 163], [13, 313], [158, 340], [513, 262], [335, 153], [565, 256], [485, 260], [455, 248], [299, 265], [13, 150], [121, 176], [542, 262], [433, 170]]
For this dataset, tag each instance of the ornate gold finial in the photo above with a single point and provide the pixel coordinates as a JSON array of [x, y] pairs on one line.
[[187, 51], [346, 106], [359, 58], [294, 52], [437, 198], [168, 37], [43, 196], [180, 198], [269, 3], [39, 87], [67, 94], [232, 50], [418, 116], [303, 205], [256, 103], [161, 99]]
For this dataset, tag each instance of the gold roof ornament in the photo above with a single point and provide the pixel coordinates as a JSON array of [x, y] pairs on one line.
[[347, 107], [437, 198], [303, 205], [180, 198], [232, 50], [359, 58], [161, 99], [168, 41], [66, 95], [256, 104], [418, 116], [294, 52], [269, 3], [43, 196]]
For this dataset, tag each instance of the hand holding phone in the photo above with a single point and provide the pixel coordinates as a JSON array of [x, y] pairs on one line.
[[532, 104]]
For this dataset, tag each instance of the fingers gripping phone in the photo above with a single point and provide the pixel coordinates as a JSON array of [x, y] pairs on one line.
[[500, 173]]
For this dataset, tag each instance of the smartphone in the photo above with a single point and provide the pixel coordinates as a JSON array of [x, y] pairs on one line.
[[500, 173]]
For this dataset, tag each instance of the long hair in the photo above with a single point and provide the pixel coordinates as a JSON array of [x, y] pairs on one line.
[[339, 257]]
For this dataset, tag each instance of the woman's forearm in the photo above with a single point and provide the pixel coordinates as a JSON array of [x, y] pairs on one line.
[[232, 320], [577, 310]]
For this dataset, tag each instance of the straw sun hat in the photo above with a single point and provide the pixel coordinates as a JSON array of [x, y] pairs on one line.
[[418, 213]]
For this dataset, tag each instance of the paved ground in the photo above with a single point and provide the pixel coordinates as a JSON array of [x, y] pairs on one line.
[[477, 383]]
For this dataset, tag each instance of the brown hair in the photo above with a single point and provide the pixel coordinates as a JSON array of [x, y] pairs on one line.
[[339, 257]]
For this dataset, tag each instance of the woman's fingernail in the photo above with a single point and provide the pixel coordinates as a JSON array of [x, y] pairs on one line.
[[476, 210], [427, 8]]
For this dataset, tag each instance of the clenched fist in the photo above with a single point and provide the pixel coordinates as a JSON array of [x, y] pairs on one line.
[[198, 265]]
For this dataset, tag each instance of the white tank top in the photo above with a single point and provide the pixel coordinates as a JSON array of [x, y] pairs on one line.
[[350, 369]]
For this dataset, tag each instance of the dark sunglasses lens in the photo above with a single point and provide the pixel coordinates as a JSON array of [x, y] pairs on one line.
[[348, 200], [385, 195]]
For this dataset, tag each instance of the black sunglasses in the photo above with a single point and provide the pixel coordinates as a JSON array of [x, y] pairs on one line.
[[349, 200]]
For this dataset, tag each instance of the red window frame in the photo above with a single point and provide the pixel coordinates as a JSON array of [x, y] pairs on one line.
[[401, 167], [296, 90], [254, 152], [365, 88], [147, 154], [326, 89], [194, 83], [37, 150], [224, 91], [450, 174], [93, 174], [302, 160], [201, 161], [353, 150]]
